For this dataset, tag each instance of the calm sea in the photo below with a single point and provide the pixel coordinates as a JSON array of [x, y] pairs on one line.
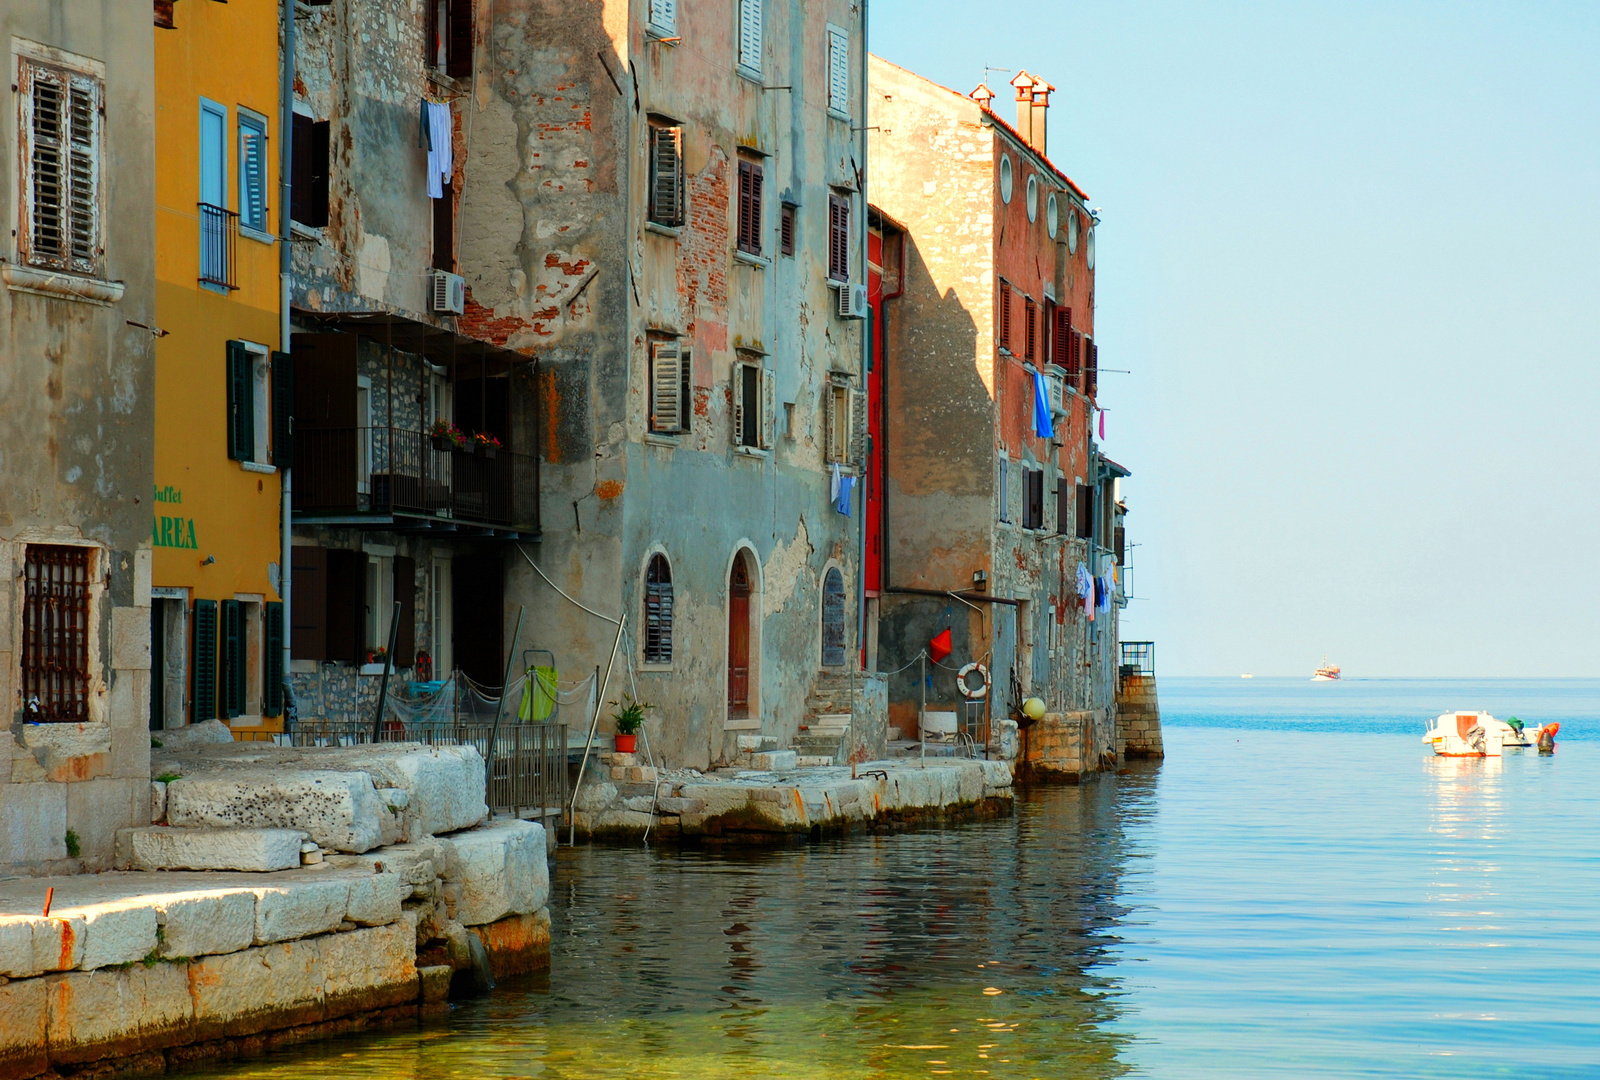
[[1300, 890]]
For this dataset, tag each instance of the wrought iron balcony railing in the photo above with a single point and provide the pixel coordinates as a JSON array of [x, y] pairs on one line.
[[219, 239]]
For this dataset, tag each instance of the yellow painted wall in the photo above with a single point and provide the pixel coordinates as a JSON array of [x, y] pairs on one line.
[[227, 53]]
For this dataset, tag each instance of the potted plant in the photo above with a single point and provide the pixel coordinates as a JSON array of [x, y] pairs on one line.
[[629, 716], [446, 437], [486, 444]]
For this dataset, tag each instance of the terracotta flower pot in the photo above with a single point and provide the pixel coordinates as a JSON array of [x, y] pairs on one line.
[[627, 743]]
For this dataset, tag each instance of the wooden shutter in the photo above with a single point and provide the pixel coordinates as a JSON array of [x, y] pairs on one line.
[[769, 405], [666, 387], [1030, 340], [1119, 544], [664, 15], [1005, 492], [858, 428], [458, 64], [1091, 368], [838, 238], [1060, 344], [1063, 505], [658, 612], [685, 392], [1036, 499], [739, 373], [272, 665], [1075, 359], [750, 207], [444, 228], [786, 229], [308, 637], [347, 604], [61, 115], [241, 404], [325, 422], [1005, 315], [750, 35], [838, 71], [203, 676], [282, 410], [233, 673], [405, 591], [252, 173], [666, 175], [308, 193], [1085, 512], [430, 34]]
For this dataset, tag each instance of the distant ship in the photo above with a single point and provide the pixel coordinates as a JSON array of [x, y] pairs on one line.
[[1327, 672], [1247, 675]]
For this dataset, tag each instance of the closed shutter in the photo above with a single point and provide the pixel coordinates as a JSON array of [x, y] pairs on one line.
[[308, 192], [658, 612], [786, 230], [666, 175], [1060, 345], [459, 64], [750, 207], [1005, 493], [405, 591], [1119, 544], [1091, 368], [1005, 315], [282, 410], [347, 606], [1075, 359], [750, 35], [203, 685], [685, 392], [308, 636], [838, 238], [664, 15], [233, 673], [858, 428], [740, 371], [241, 404], [1085, 512], [768, 407], [666, 387], [1030, 339], [61, 112], [838, 71], [1063, 506], [1036, 499], [272, 663]]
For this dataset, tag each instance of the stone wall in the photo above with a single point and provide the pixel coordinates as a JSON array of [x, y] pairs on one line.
[[1064, 747], [1139, 718]]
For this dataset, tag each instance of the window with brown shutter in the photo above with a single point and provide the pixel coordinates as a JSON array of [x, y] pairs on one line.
[[308, 191], [1005, 315], [1030, 341], [444, 229], [55, 633], [750, 207], [1060, 339], [1091, 368], [1063, 506], [1033, 498], [838, 238], [786, 229], [666, 175], [1085, 512], [1074, 359], [458, 61], [658, 611]]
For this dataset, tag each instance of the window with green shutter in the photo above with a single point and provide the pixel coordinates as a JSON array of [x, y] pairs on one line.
[[282, 410], [241, 403], [273, 662], [203, 689], [232, 634]]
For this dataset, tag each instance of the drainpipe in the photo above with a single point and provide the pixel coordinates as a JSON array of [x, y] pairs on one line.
[[866, 363], [285, 270]]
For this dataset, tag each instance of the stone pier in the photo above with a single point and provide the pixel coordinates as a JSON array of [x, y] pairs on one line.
[[1138, 717], [1063, 748]]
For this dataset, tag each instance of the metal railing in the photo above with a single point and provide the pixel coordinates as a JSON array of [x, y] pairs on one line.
[[219, 238], [530, 760], [1138, 661], [384, 470]]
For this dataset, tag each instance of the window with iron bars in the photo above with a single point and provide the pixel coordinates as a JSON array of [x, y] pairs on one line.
[[55, 633]]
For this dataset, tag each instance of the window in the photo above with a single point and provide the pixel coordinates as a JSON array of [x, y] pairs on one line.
[[1061, 339], [260, 405], [447, 43], [750, 207], [1063, 506], [308, 194], [664, 17], [1004, 492], [233, 658], [1033, 495], [1091, 367], [253, 171], [1033, 197], [833, 622], [786, 229], [216, 222], [55, 633], [60, 122], [666, 175], [847, 424], [752, 406], [1005, 315], [380, 598], [444, 228], [658, 611], [1030, 329], [669, 388], [1085, 515], [839, 72], [203, 687], [1006, 179], [750, 38], [364, 434], [441, 617], [838, 237]]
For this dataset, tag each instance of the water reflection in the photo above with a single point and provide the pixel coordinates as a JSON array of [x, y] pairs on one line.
[[975, 951]]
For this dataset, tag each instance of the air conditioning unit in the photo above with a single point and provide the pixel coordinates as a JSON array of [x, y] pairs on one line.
[[852, 301], [448, 295]]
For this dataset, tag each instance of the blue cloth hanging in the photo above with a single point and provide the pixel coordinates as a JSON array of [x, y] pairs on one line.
[[846, 485], [1041, 407]]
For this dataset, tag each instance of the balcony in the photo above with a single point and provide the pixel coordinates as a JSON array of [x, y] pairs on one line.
[[393, 478], [219, 239]]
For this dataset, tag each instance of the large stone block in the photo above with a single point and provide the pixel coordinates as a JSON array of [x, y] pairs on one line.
[[517, 944], [33, 822], [501, 869], [375, 899], [205, 733], [369, 969], [444, 784], [24, 1020], [340, 810], [273, 986], [158, 847], [97, 809], [58, 942], [130, 638], [415, 864], [207, 923], [130, 739], [286, 912], [16, 946], [70, 752], [106, 1014], [115, 932]]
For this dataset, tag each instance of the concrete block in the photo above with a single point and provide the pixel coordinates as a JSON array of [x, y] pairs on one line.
[[773, 760], [244, 992], [70, 752], [193, 735], [996, 774], [33, 822], [341, 811], [143, 561], [24, 1020], [115, 932], [97, 809], [104, 1014], [502, 870], [444, 785], [130, 638], [669, 805], [301, 909], [206, 923], [161, 847], [369, 969], [416, 865], [158, 803], [619, 773], [375, 899]]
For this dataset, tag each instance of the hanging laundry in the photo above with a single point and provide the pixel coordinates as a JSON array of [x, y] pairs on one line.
[[441, 162], [1102, 423], [846, 484], [1041, 407], [1100, 593], [1086, 591]]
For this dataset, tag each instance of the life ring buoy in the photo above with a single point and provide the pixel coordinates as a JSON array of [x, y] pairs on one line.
[[971, 693]]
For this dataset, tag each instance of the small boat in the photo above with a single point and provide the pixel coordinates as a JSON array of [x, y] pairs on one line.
[[1327, 672], [1477, 734], [1247, 675]]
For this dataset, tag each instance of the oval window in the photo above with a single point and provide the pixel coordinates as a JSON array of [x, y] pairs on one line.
[[1089, 249], [1033, 198], [1052, 216], [1005, 178], [1072, 232]]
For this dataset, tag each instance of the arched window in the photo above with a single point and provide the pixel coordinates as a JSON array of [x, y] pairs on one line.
[[833, 618], [658, 611]]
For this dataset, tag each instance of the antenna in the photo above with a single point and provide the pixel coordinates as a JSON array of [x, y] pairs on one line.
[[987, 70]]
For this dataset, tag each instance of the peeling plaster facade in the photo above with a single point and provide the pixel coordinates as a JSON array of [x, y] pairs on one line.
[[960, 410]]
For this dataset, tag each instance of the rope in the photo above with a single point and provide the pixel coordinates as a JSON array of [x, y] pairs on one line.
[[557, 588]]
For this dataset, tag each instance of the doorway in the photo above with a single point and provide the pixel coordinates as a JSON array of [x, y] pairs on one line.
[[478, 617], [739, 579]]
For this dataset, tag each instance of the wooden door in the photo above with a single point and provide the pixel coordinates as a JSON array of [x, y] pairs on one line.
[[739, 640]]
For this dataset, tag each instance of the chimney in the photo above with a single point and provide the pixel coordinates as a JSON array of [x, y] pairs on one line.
[[1033, 101], [982, 95]]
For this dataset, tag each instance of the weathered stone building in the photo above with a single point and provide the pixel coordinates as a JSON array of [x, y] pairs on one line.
[[77, 318], [995, 494]]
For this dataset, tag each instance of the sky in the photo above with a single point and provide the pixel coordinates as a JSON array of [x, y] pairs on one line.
[[1350, 254]]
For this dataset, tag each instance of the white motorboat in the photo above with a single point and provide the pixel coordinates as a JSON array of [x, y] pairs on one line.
[[1477, 734]]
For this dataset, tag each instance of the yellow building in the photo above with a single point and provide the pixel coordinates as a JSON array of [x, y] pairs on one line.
[[217, 622]]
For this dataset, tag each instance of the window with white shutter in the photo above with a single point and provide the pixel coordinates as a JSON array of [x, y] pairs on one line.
[[664, 17], [667, 380], [750, 38], [61, 123], [252, 171], [839, 72], [666, 175], [838, 419], [1004, 493]]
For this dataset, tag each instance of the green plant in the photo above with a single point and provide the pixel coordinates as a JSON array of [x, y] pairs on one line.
[[168, 777], [483, 438], [630, 714], [155, 743], [74, 846]]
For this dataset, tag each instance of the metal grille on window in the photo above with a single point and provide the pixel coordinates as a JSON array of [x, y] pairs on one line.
[[55, 633], [658, 611]]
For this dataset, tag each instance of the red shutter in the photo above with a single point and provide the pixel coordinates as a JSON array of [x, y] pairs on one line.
[[1091, 370], [1074, 358], [1060, 345], [1005, 315], [1031, 342]]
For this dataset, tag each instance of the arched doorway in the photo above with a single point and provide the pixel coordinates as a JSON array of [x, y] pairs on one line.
[[739, 638], [833, 635]]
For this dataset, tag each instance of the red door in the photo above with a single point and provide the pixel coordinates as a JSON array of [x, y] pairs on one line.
[[739, 641]]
